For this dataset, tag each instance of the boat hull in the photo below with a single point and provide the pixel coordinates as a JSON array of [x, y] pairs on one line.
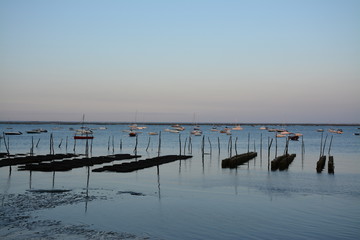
[[83, 137]]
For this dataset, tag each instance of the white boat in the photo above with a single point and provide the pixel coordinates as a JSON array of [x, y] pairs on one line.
[[13, 133], [83, 132], [171, 130], [237, 127], [132, 134], [214, 129]]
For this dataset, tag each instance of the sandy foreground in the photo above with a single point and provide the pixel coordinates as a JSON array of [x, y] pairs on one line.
[[17, 221]]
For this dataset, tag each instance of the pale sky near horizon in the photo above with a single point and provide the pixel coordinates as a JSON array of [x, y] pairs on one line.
[[180, 61]]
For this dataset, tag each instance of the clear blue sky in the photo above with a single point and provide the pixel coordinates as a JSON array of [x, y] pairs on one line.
[[220, 61]]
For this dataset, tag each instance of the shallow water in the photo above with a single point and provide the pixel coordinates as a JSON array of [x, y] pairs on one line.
[[196, 198]]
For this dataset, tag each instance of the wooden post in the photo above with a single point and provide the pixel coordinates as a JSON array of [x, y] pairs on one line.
[[159, 147], [32, 146], [323, 151], [60, 143], [269, 148], [203, 146], [236, 139], [37, 144], [180, 144], [136, 144], [276, 146], [74, 149], [321, 141], [261, 146], [120, 144], [66, 144], [87, 148], [147, 147], [190, 145], [113, 145], [330, 145], [91, 144], [184, 147], [229, 146], [248, 142], [109, 144], [210, 145], [219, 144]]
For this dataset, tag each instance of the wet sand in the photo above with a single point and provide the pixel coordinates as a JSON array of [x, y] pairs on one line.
[[17, 221]]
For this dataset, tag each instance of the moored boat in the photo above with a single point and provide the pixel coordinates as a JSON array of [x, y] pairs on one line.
[[13, 133], [83, 132]]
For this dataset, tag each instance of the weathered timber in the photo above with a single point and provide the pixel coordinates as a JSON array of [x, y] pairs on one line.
[[142, 164], [331, 166], [67, 165], [34, 159], [320, 164], [285, 162], [237, 160], [282, 162]]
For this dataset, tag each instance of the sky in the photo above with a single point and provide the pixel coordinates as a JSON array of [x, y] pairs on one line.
[[241, 61]]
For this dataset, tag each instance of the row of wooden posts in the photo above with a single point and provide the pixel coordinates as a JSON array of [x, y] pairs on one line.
[[188, 146], [320, 164], [231, 146]]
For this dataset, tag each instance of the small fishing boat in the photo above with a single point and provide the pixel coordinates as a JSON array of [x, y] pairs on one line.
[[171, 130], [13, 133], [153, 133], [83, 132], [237, 127], [293, 137], [214, 129], [132, 134], [34, 131]]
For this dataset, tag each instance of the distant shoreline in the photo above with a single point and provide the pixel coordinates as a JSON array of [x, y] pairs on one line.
[[172, 123]]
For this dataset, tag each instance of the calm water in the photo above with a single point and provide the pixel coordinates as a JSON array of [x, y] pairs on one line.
[[196, 198]]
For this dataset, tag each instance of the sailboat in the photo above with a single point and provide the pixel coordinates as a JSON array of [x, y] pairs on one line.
[[83, 132]]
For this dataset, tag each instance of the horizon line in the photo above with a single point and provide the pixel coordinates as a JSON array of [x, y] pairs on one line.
[[171, 123]]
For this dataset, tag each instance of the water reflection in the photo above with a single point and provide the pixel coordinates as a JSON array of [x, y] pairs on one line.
[[158, 182], [7, 187]]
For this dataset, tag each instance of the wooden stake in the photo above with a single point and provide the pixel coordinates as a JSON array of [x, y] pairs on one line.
[[261, 146], [276, 145], [236, 139], [219, 144], [109, 144], [322, 134], [185, 146], [180, 144], [147, 147], [60, 143], [323, 151], [37, 144], [330, 145], [210, 146], [159, 147], [136, 144]]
